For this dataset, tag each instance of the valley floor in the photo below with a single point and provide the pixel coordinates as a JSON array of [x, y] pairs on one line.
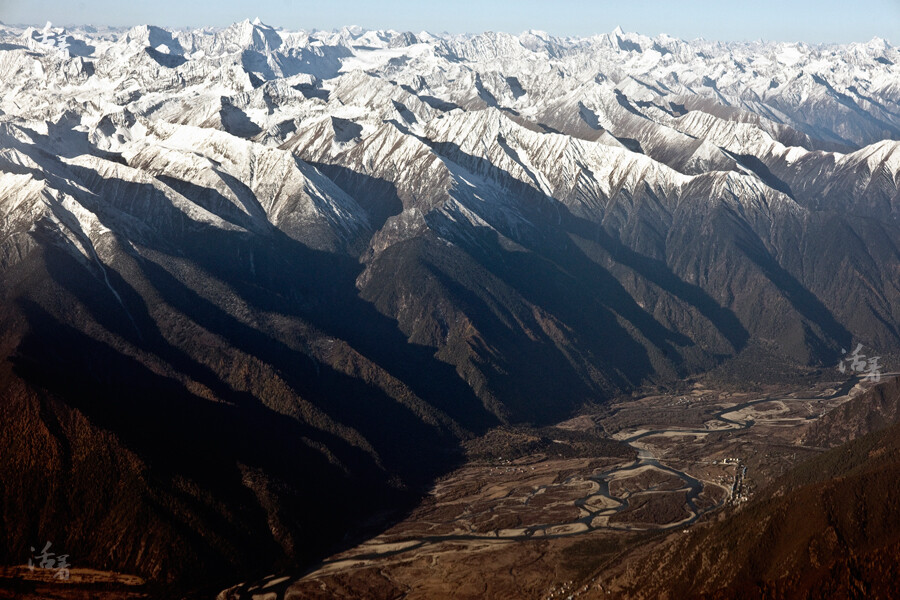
[[547, 524]]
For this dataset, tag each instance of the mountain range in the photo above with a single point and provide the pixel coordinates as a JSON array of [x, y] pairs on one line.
[[256, 285]]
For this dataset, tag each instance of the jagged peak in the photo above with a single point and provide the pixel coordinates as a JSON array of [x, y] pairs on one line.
[[353, 31]]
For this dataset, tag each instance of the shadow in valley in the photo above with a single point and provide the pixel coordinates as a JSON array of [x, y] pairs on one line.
[[801, 299], [378, 197], [413, 439], [659, 273], [551, 240], [193, 503]]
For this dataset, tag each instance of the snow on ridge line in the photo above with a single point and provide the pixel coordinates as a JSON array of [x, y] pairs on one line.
[[356, 32]]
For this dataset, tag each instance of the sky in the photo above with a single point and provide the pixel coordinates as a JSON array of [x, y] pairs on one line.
[[785, 20]]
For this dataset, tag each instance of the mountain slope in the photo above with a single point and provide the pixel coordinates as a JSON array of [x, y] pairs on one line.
[[828, 528]]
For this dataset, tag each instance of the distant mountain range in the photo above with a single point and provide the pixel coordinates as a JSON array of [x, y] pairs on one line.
[[257, 285]]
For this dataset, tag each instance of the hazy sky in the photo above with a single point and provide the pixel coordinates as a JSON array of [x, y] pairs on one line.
[[789, 20]]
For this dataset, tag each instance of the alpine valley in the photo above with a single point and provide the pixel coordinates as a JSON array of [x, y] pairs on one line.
[[370, 314]]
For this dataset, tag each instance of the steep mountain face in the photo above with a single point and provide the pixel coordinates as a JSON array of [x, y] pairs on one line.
[[256, 285], [827, 529], [876, 410]]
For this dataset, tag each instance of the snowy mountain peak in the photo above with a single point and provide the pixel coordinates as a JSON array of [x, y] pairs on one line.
[[877, 43], [352, 31], [48, 39]]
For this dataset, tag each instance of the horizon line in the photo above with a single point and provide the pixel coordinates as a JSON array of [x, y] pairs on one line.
[[618, 29]]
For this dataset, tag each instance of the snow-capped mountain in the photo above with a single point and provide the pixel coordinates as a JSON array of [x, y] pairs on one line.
[[355, 248]]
